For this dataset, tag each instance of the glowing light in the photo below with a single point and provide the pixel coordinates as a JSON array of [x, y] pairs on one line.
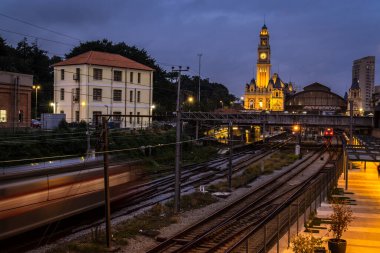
[[190, 99], [83, 103], [153, 107], [52, 104], [261, 104], [296, 128]]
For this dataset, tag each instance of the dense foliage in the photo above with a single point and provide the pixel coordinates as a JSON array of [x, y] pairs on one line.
[[28, 58]]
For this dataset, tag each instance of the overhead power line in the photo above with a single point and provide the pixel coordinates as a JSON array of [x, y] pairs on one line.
[[31, 36], [39, 27]]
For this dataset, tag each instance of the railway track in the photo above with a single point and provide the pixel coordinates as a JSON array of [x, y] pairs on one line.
[[223, 228], [136, 194]]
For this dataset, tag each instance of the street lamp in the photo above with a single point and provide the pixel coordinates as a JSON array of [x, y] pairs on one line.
[[190, 99], [221, 103], [52, 106], [36, 87]]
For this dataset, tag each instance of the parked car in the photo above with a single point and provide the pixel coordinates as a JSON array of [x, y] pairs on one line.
[[35, 123]]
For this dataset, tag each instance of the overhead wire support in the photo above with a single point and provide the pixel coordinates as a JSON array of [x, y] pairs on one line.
[[177, 183], [104, 135]]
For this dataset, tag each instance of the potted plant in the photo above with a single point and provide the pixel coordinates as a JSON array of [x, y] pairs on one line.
[[306, 243], [340, 219]]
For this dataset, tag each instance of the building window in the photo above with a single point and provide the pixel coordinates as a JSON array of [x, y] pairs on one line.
[[251, 104], [62, 95], [117, 116], [62, 74], [76, 95], [96, 117], [97, 95], [130, 117], [138, 118], [77, 74], [21, 116], [3, 115], [138, 77], [117, 95], [117, 76], [131, 96], [131, 77], [138, 96], [77, 116], [98, 74]]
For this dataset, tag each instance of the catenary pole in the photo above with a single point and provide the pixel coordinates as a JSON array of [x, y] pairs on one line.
[[177, 183], [106, 181]]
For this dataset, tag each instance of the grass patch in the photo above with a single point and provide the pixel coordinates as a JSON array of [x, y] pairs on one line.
[[148, 223], [78, 247], [272, 163]]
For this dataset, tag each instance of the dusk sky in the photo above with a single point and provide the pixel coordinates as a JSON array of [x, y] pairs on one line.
[[311, 41]]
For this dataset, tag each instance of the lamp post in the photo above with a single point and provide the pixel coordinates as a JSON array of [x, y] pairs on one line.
[[36, 87], [221, 103]]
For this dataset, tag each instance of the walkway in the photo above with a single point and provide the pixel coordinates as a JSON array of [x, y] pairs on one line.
[[363, 234]]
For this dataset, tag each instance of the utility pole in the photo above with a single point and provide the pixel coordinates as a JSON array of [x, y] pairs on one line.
[[106, 181], [199, 96], [177, 184], [230, 156], [199, 79]]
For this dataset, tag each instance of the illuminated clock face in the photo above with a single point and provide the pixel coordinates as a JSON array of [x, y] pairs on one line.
[[263, 56]]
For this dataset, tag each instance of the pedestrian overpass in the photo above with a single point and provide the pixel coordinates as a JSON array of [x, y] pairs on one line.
[[279, 119]]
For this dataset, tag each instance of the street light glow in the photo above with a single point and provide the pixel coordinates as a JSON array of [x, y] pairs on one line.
[[190, 99]]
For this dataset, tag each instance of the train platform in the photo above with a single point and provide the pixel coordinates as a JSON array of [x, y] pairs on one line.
[[363, 234]]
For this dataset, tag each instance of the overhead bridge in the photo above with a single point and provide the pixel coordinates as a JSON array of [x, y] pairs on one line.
[[279, 119]]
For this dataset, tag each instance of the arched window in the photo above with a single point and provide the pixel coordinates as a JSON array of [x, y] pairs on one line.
[[251, 104]]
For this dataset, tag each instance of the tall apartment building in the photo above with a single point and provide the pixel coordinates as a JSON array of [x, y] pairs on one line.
[[364, 71], [98, 83]]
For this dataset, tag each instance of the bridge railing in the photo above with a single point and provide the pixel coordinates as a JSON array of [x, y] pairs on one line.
[[279, 119]]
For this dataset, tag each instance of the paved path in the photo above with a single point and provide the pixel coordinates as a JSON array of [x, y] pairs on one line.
[[363, 234]]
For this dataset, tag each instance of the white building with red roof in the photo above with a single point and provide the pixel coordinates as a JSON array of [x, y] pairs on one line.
[[99, 83]]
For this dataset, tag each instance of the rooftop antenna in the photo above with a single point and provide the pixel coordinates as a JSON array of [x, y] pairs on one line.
[[264, 19]]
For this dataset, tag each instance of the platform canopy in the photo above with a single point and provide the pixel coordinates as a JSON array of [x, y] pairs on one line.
[[367, 151]]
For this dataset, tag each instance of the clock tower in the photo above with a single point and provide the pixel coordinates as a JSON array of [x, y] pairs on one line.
[[263, 59]]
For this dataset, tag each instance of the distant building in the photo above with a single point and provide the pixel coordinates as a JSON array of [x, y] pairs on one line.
[[354, 95], [266, 93], [364, 71], [316, 98], [15, 99], [98, 83]]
